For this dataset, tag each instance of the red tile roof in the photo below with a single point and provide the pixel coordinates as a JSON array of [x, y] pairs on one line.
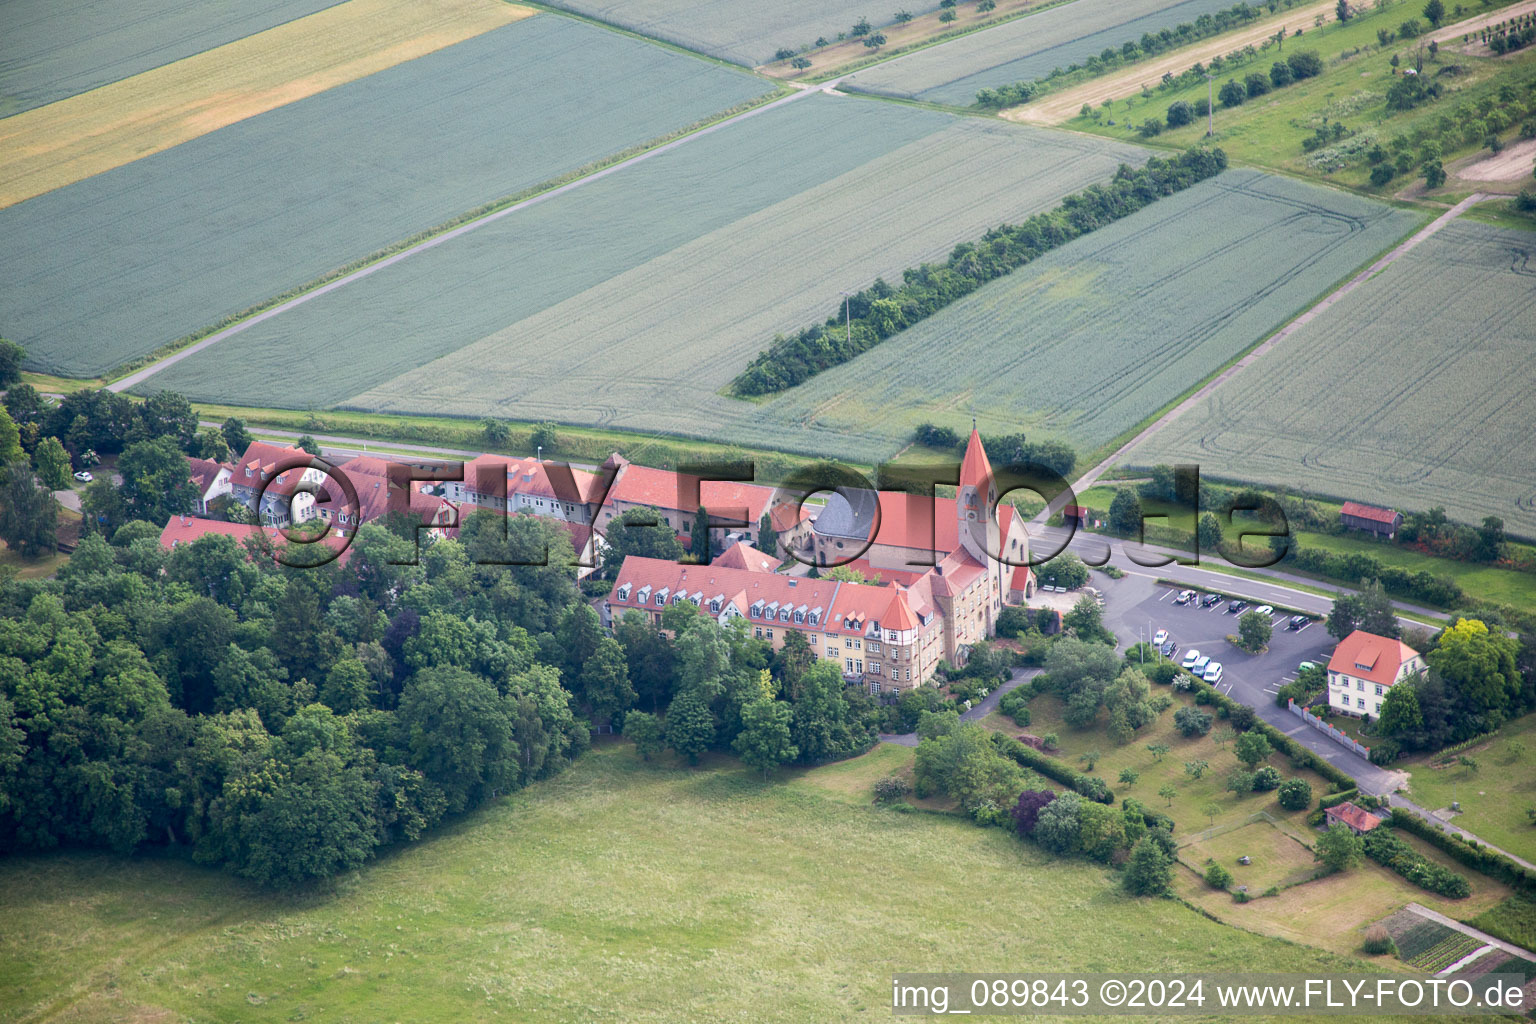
[[976, 468], [908, 521], [261, 458], [742, 555], [203, 472], [186, 529], [661, 488], [1357, 818], [1021, 578], [897, 614], [1371, 657], [840, 603], [1372, 512]]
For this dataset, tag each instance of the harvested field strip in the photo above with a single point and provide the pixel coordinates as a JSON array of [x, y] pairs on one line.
[[1445, 952], [611, 326], [734, 30], [64, 142], [1024, 49], [51, 49], [1093, 338], [118, 265], [1435, 424]]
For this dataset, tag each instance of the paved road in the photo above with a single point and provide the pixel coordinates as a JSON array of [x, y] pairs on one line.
[[1091, 477], [987, 705], [341, 282], [1446, 826]]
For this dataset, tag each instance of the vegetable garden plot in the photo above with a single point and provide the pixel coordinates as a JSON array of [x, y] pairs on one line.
[[1025, 48], [50, 49], [115, 266], [1417, 388]]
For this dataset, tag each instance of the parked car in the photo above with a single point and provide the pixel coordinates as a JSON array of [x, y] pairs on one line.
[[1160, 637], [1306, 665], [1169, 649], [1191, 657], [84, 476], [1185, 596], [1201, 664], [1233, 607], [1211, 599], [1298, 622], [1265, 609], [1212, 673]]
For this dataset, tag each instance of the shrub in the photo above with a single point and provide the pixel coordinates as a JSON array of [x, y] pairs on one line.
[[1232, 94], [1280, 74], [1390, 851], [1192, 721], [1027, 811], [1377, 941], [1525, 202], [890, 788], [1477, 858], [1382, 174], [1306, 64], [1295, 794], [1267, 778], [1217, 877], [1180, 114], [1256, 84], [1090, 786]]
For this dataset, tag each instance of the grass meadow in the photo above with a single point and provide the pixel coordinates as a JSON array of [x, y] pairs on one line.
[[52, 49], [617, 891], [1495, 797], [1092, 339], [116, 266], [1416, 388], [1024, 49], [68, 141]]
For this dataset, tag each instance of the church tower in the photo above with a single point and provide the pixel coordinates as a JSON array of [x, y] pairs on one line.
[[975, 505]]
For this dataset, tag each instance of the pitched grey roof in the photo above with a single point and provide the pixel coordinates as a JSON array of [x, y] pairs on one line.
[[848, 513]]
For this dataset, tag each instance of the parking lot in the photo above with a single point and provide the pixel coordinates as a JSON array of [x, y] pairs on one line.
[[1137, 607]]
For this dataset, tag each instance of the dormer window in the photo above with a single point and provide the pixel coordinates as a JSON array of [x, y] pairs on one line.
[[756, 611], [645, 594], [784, 613], [624, 592], [661, 595], [815, 616], [714, 605]]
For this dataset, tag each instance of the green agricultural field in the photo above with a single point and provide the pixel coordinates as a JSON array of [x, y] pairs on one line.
[[1494, 798], [117, 265], [1093, 338], [51, 49], [616, 891], [1025, 48], [632, 302], [742, 33], [1416, 389]]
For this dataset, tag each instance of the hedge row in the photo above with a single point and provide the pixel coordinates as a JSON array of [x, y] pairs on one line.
[[1389, 851], [1354, 566], [1477, 857], [1300, 757], [879, 311], [1334, 799], [1090, 786]]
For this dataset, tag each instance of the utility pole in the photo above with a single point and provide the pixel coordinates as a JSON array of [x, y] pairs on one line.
[[847, 318]]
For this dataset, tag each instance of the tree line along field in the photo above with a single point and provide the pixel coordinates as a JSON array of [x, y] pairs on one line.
[[742, 33], [1024, 49], [1089, 340], [1416, 387], [641, 295], [69, 140], [113, 267], [685, 895], [51, 49]]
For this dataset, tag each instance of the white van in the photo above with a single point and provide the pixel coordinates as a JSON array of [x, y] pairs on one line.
[[1212, 673]]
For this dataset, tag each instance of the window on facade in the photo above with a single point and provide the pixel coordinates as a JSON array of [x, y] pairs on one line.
[[874, 686], [758, 632], [832, 652], [874, 648], [874, 668], [768, 634], [1378, 689], [814, 639], [849, 663], [890, 635]]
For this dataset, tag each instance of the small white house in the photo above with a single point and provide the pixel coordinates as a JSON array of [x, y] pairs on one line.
[[1364, 667]]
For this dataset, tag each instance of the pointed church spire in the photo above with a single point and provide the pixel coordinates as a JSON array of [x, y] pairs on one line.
[[976, 469]]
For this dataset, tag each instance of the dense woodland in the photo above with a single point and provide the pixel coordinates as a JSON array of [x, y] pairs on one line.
[[871, 316], [286, 723]]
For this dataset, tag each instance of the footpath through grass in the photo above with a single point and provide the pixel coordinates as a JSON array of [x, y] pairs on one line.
[[618, 891]]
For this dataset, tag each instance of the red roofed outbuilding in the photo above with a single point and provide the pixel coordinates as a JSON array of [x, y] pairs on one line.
[[1384, 522]]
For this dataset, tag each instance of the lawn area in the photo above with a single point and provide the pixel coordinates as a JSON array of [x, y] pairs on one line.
[[1334, 911], [1494, 799], [1486, 582], [1200, 803], [30, 568], [1278, 858], [617, 891]]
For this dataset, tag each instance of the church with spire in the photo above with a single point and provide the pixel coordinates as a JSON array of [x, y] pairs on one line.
[[938, 572]]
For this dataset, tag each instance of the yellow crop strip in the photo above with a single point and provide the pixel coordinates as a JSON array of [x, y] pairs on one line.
[[65, 142]]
